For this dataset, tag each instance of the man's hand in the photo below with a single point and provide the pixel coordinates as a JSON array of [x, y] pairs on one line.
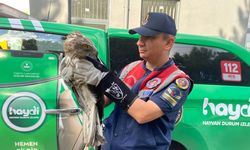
[[95, 73]]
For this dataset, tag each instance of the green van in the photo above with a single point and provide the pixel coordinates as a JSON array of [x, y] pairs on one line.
[[216, 115]]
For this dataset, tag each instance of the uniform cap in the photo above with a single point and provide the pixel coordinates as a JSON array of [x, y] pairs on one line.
[[154, 24]]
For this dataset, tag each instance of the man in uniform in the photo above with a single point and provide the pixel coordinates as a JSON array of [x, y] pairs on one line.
[[148, 94]]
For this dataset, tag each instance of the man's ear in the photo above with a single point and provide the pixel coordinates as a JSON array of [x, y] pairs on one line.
[[169, 42]]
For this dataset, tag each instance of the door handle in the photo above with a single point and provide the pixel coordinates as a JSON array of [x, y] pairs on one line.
[[69, 111]]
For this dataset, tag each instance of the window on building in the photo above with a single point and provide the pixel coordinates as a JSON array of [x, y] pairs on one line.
[[92, 13], [208, 65], [171, 7]]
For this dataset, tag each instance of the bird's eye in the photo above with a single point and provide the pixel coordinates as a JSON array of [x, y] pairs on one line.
[[85, 46]]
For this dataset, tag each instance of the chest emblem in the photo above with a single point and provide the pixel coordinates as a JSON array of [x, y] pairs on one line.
[[153, 83]]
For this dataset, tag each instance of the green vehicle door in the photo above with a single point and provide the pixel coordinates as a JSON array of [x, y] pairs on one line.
[[29, 87]]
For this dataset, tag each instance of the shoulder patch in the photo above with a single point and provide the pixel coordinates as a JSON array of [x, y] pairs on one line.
[[182, 83], [172, 94]]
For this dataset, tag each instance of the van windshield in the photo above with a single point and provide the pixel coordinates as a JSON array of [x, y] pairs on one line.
[[26, 40]]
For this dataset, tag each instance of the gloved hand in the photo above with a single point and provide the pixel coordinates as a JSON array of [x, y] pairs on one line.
[[97, 74], [86, 71]]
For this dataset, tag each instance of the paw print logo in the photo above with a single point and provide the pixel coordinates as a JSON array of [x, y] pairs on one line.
[[26, 66]]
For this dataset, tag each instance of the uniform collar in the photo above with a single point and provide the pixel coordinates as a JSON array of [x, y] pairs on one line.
[[166, 65]]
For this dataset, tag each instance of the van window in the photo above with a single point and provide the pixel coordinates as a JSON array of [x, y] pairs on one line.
[[207, 65], [26, 40], [122, 52]]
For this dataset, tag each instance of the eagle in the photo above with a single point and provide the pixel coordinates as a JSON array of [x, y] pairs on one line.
[[76, 48]]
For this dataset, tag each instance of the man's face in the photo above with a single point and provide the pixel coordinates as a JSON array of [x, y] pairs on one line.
[[153, 47]]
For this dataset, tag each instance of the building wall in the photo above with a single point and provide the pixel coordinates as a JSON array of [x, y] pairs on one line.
[[124, 13], [117, 13], [134, 13], [248, 34], [223, 18], [50, 10]]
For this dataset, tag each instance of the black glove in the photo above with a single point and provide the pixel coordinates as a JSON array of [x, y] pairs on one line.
[[98, 64], [113, 87]]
